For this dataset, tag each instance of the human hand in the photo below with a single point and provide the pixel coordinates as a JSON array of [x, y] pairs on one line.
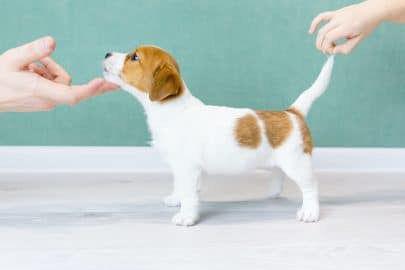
[[26, 86], [353, 23]]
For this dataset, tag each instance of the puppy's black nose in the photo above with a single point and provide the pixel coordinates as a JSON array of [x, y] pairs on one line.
[[107, 55]]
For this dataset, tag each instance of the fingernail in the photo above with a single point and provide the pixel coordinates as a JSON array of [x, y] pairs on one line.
[[45, 44]]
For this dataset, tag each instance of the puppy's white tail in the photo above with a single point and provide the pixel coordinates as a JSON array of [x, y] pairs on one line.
[[305, 100]]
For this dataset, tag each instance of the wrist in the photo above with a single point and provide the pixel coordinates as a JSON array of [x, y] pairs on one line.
[[378, 10], [388, 10]]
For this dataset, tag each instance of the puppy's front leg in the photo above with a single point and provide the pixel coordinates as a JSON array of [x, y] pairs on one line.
[[173, 200], [186, 179]]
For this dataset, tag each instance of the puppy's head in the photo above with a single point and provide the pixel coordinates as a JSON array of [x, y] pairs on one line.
[[149, 70]]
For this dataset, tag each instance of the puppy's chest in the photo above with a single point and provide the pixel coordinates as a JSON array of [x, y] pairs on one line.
[[168, 134]]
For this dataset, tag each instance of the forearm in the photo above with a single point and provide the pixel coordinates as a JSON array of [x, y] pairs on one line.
[[390, 10]]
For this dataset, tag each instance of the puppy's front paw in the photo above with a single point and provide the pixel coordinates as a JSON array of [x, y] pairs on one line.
[[308, 213], [172, 200], [184, 219]]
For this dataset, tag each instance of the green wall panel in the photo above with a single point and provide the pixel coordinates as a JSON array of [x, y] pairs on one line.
[[253, 53]]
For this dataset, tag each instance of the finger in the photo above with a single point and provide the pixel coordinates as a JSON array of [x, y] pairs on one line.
[[330, 39], [108, 86], [55, 69], [93, 88], [329, 50], [55, 92], [322, 33], [348, 46], [63, 94], [333, 36], [322, 17], [96, 87], [40, 71], [20, 57]]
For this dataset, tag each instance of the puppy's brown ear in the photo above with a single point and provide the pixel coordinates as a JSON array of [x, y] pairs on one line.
[[166, 83]]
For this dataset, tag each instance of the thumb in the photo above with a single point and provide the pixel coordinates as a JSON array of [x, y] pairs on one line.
[[26, 54], [347, 47]]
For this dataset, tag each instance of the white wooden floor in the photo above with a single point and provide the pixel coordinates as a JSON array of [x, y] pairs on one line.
[[117, 221]]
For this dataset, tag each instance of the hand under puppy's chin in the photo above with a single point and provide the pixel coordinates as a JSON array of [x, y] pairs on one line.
[[112, 78]]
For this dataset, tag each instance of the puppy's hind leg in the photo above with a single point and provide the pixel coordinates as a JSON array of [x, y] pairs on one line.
[[276, 182], [299, 169]]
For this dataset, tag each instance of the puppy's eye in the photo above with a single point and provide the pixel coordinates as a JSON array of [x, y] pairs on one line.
[[134, 57]]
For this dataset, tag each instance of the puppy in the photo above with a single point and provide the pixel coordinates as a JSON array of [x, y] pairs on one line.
[[196, 138]]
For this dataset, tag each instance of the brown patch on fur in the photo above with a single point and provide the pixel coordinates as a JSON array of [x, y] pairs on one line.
[[278, 126], [306, 134], [247, 131], [156, 73]]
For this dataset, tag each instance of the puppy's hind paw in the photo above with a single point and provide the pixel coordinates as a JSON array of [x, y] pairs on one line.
[[274, 194], [182, 219], [276, 187], [308, 213], [172, 200]]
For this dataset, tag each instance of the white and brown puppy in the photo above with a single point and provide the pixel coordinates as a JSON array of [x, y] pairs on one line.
[[195, 138]]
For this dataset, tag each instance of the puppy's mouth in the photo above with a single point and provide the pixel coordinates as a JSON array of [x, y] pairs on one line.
[[106, 68], [109, 71], [111, 75]]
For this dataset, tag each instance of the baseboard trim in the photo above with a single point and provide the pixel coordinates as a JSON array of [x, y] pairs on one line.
[[45, 159]]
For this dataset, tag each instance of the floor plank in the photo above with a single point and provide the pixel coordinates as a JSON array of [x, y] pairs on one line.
[[117, 221]]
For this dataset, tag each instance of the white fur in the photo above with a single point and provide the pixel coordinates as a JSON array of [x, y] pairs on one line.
[[305, 100], [196, 138]]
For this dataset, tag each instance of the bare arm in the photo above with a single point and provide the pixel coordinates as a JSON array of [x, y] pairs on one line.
[[394, 10]]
